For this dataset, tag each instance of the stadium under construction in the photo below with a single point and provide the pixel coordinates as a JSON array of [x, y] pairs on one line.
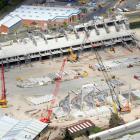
[[37, 45]]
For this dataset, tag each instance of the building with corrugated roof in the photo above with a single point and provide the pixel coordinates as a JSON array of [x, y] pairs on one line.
[[10, 24], [12, 129], [40, 16]]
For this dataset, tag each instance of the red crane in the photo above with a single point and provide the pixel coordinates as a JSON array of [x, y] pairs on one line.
[[55, 92], [3, 101]]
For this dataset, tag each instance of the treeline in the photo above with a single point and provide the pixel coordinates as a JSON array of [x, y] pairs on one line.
[[4, 3]]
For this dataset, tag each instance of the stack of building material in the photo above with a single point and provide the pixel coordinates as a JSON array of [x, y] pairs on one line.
[[88, 88], [116, 82], [58, 111], [119, 63], [40, 100], [32, 82], [69, 75], [53, 76]]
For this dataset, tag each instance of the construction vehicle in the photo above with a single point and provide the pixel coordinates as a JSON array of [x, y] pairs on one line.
[[91, 67], [126, 108], [55, 92], [72, 57], [82, 2], [84, 74], [112, 49], [117, 107], [81, 75], [19, 79], [115, 98], [3, 101]]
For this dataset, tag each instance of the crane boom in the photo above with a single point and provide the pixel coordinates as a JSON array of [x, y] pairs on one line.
[[55, 92], [3, 84], [3, 101]]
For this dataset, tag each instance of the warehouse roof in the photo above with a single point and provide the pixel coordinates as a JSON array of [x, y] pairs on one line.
[[12, 21], [20, 130], [5, 19], [44, 13]]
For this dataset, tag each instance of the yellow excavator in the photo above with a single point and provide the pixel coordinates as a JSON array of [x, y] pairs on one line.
[[83, 1], [72, 57]]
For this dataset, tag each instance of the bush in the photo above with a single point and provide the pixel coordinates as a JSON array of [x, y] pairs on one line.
[[96, 129], [115, 120]]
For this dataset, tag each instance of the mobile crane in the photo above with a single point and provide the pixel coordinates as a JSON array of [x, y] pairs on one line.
[[3, 101], [55, 92]]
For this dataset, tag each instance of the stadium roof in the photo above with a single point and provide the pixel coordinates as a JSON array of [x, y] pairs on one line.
[[11, 129], [44, 13]]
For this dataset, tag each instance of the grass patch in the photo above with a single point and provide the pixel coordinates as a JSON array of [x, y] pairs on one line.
[[96, 130], [135, 24]]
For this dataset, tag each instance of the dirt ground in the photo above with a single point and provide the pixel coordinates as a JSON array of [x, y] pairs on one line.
[[18, 105]]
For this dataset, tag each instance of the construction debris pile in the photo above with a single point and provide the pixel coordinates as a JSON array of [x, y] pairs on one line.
[[90, 98], [40, 99], [119, 63], [32, 82], [50, 78]]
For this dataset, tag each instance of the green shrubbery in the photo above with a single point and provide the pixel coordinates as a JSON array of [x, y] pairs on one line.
[[3, 3], [95, 130]]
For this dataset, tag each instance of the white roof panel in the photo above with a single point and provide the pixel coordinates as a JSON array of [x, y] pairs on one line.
[[20, 130], [6, 124], [44, 13], [12, 21], [5, 19]]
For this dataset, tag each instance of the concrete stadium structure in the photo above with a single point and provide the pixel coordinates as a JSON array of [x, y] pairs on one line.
[[101, 34]]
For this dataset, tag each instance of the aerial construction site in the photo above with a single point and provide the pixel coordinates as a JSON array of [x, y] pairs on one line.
[[68, 81]]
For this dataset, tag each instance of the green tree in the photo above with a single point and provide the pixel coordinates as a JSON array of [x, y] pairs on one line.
[[2, 3], [115, 120]]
